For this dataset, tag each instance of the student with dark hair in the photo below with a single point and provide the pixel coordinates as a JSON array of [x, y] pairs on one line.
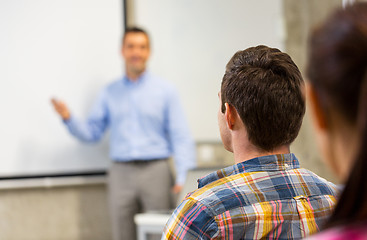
[[266, 194], [147, 126], [337, 71]]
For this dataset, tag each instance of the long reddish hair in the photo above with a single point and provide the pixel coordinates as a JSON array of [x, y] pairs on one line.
[[337, 70]]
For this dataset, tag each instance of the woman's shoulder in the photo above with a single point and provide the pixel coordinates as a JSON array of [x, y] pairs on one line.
[[357, 231]]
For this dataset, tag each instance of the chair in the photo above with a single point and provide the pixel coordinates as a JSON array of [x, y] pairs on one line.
[[152, 223]]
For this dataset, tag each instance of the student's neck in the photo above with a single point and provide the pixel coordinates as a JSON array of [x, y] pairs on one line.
[[247, 152]]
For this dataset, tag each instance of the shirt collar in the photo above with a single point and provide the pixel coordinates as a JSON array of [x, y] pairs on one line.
[[142, 78], [279, 162]]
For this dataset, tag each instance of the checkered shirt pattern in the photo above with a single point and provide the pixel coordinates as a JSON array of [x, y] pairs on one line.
[[268, 197]]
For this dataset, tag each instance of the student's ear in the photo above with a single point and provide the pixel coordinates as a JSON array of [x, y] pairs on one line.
[[318, 114], [230, 116]]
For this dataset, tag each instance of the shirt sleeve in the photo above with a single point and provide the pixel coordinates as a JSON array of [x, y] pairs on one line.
[[93, 128], [182, 144], [190, 220]]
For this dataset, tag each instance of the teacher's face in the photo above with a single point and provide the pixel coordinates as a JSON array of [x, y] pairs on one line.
[[136, 51]]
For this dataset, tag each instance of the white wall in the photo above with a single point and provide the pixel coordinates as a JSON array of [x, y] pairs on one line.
[[193, 40]]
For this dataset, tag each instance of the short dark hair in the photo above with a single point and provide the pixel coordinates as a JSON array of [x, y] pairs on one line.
[[134, 29], [264, 85]]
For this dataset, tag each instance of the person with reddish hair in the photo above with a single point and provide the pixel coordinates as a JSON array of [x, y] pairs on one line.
[[337, 72]]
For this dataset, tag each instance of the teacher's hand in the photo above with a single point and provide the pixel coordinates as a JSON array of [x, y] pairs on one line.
[[177, 188], [61, 108]]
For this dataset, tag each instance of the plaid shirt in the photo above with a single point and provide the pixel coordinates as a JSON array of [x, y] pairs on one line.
[[267, 197]]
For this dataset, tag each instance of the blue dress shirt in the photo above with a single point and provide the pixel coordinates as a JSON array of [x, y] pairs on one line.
[[146, 122]]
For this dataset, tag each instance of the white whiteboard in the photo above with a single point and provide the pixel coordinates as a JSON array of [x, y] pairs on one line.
[[70, 49], [63, 48], [193, 40]]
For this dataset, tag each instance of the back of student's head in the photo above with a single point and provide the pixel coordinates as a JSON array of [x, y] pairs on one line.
[[337, 71], [265, 87]]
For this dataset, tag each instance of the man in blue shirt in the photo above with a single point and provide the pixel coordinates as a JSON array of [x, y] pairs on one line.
[[147, 125]]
